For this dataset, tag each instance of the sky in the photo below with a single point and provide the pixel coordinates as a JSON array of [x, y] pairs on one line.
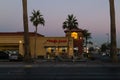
[[92, 15]]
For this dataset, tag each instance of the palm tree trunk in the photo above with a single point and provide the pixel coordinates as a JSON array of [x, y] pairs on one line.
[[35, 42], [86, 42], [27, 55], [113, 50]]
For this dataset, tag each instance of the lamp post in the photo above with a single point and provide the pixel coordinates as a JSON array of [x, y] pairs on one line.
[[107, 38]]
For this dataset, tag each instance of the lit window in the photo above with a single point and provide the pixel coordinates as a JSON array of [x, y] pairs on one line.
[[74, 35]]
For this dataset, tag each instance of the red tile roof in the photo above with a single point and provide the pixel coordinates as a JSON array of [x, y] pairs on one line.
[[18, 34], [74, 30]]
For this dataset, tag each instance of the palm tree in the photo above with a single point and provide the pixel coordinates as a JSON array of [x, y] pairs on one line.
[[36, 19], [113, 50], [70, 23], [27, 54], [87, 36]]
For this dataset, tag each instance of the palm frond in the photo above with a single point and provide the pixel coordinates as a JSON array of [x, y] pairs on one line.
[[70, 23], [37, 18]]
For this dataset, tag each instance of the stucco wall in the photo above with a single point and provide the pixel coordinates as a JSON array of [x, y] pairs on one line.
[[41, 43]]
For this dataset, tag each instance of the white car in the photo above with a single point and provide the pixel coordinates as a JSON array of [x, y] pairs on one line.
[[13, 57]]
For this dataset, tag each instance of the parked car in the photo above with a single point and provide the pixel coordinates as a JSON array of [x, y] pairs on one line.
[[4, 55], [15, 57]]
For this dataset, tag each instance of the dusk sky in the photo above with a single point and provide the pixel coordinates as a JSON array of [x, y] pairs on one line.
[[92, 15]]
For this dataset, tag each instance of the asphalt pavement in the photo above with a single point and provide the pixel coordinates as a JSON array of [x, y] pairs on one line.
[[52, 70], [42, 63], [58, 71]]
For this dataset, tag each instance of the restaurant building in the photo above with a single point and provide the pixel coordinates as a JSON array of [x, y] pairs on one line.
[[48, 47]]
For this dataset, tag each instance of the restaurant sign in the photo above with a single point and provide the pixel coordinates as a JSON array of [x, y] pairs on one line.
[[57, 41]]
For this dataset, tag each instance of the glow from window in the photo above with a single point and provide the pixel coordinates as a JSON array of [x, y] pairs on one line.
[[74, 35]]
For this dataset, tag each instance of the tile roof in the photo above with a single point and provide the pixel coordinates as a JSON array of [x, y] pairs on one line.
[[74, 30], [18, 34]]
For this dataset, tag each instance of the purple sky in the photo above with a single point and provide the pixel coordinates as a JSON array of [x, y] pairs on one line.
[[92, 15]]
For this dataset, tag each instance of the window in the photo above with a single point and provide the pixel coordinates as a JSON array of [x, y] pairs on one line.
[[63, 49], [74, 35]]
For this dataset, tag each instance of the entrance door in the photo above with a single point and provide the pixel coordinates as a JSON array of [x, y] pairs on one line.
[[50, 52]]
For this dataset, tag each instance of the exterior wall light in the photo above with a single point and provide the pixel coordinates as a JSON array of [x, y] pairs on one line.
[[20, 42], [80, 37]]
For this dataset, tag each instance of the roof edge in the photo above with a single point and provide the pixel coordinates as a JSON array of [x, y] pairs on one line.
[[19, 34]]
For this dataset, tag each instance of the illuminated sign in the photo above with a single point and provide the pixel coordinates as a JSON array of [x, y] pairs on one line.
[[57, 41]]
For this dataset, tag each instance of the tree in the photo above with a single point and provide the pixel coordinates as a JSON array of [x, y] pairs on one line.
[[91, 49], [27, 55], [36, 19], [70, 23], [105, 47], [87, 36], [113, 51]]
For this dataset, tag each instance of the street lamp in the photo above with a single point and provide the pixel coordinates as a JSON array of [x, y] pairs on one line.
[[107, 37]]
